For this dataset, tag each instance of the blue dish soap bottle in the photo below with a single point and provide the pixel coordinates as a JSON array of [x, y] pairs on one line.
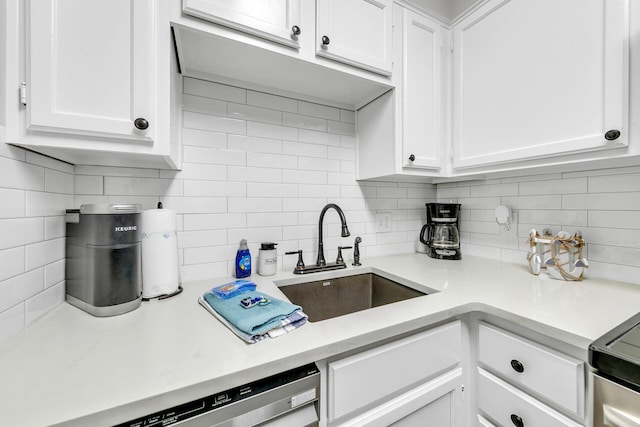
[[243, 260]]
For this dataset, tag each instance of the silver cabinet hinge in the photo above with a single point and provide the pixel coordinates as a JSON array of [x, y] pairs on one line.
[[23, 93]]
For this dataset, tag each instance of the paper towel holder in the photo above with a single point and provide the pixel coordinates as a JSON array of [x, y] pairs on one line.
[[164, 296]]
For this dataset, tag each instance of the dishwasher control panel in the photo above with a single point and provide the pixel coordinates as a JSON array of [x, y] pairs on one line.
[[305, 376]]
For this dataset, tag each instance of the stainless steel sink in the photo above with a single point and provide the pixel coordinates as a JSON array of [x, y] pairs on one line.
[[325, 299]]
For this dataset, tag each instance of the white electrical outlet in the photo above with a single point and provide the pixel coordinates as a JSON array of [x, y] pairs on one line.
[[383, 222]]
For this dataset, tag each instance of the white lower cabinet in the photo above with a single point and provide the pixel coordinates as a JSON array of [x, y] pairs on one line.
[[523, 383], [393, 383], [507, 405]]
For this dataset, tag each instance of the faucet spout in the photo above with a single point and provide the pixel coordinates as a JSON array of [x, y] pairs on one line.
[[345, 230]]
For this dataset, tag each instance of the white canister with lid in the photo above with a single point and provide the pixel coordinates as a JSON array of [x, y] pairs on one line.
[[267, 259]]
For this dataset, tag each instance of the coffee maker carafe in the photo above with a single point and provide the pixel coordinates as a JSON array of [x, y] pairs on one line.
[[440, 233]]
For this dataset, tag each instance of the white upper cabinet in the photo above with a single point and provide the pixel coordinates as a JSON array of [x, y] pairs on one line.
[[95, 79], [422, 136], [539, 79], [356, 32], [91, 68], [275, 20], [401, 134]]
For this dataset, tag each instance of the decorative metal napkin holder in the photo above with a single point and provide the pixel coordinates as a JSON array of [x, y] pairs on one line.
[[560, 255]]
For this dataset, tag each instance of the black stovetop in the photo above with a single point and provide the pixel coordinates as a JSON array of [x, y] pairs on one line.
[[616, 354]]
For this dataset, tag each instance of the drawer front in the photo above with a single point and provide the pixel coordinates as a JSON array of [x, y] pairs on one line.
[[358, 380], [555, 376], [507, 406]]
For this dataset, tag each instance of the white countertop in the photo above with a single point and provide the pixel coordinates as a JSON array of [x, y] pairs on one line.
[[68, 364]]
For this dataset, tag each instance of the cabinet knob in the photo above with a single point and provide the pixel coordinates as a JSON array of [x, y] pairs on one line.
[[612, 135], [295, 30], [325, 40], [517, 366], [141, 123], [517, 421], [412, 158]]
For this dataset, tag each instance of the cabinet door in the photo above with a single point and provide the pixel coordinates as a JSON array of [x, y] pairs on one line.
[[357, 32], [421, 102], [274, 20], [91, 76], [536, 79]]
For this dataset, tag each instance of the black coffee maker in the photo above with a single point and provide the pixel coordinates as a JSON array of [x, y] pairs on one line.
[[440, 233]]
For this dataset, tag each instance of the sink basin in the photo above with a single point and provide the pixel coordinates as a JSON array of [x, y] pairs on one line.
[[325, 299]]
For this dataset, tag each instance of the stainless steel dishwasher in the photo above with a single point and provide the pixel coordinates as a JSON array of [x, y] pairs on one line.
[[282, 400]]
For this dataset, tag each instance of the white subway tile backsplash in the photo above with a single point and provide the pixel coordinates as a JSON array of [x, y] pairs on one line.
[[322, 138], [142, 186], [213, 123], [254, 236], [255, 204], [195, 205], [265, 130], [48, 162], [20, 231], [213, 156], [199, 171], [255, 144], [201, 238], [11, 262], [256, 114], [553, 217], [493, 190], [44, 301], [556, 186], [20, 175], [214, 90], [54, 273], [318, 110], [275, 102], [303, 149], [611, 255], [200, 104], [271, 219], [602, 201], [20, 288], [340, 153], [616, 219], [253, 174], [533, 202], [204, 138], [47, 204], [213, 221], [312, 190], [614, 183], [341, 128], [54, 227], [214, 189], [207, 254], [266, 160], [87, 184], [347, 116], [315, 164], [304, 176], [204, 271], [45, 252], [256, 189], [391, 192]]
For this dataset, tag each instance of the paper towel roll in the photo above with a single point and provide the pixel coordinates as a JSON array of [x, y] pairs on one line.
[[159, 252]]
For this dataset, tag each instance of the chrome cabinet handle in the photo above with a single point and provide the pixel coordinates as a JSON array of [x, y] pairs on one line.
[[141, 123], [295, 30], [325, 40]]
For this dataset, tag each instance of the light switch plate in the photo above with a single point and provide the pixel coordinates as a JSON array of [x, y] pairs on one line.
[[383, 222]]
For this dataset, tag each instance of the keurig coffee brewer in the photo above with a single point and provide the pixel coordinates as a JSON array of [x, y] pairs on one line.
[[103, 260], [440, 233]]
